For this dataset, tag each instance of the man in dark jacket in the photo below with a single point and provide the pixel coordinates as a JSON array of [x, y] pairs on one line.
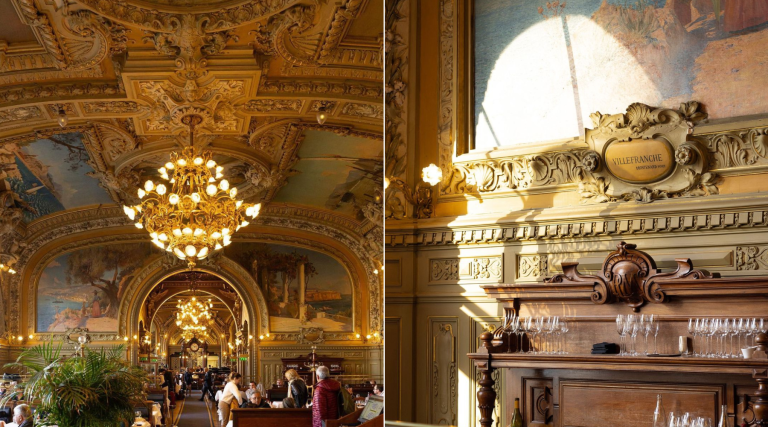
[[256, 402], [188, 379], [207, 385]]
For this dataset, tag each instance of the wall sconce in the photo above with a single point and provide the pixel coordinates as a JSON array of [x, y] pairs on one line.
[[7, 268], [62, 119], [420, 197]]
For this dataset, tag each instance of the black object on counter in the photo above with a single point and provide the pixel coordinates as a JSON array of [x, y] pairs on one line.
[[605, 348]]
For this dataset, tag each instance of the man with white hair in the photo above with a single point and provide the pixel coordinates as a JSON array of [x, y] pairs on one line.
[[22, 417], [325, 402]]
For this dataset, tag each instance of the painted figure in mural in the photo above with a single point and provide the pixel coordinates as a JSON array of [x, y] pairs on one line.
[[96, 305]]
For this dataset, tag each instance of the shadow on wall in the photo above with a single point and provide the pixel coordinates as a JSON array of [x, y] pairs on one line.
[[558, 62]]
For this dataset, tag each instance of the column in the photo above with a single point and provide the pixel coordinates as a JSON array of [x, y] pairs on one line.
[[302, 294]]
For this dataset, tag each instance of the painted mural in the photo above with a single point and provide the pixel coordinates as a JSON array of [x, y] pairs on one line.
[[49, 175], [338, 173], [83, 288], [327, 301], [542, 67]]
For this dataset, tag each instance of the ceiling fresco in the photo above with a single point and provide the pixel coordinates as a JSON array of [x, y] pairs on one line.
[[50, 175], [334, 172]]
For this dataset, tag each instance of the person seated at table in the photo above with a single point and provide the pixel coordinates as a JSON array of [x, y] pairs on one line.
[[377, 390], [22, 417], [251, 390], [289, 403], [256, 401], [279, 383], [348, 387]]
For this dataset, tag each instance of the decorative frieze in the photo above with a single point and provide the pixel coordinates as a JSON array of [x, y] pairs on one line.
[[531, 266], [371, 111], [20, 113], [273, 105], [113, 107], [580, 229], [443, 269], [751, 258]]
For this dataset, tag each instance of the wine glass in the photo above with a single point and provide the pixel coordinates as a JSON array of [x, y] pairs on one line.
[[753, 330], [620, 319], [547, 329], [538, 326], [725, 329], [634, 329], [733, 332], [692, 332], [508, 332], [529, 330], [647, 330], [742, 330], [655, 329], [714, 324], [515, 327], [563, 329]]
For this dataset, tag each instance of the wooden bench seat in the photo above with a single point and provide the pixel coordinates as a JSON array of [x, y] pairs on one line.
[[276, 417]]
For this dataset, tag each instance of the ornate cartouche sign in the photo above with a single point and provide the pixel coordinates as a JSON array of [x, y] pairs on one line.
[[640, 161], [646, 154]]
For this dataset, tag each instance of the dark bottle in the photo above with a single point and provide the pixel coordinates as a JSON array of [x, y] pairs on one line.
[[517, 419]]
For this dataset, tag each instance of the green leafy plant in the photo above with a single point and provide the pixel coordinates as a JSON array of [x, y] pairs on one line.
[[98, 389]]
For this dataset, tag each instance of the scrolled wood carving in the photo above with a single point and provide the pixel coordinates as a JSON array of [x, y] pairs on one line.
[[630, 276]]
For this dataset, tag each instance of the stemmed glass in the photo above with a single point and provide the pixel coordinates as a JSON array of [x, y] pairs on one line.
[[725, 329], [509, 329], [733, 332], [753, 330], [538, 326], [655, 330], [620, 321], [634, 329], [742, 329], [563, 326], [646, 324], [692, 331], [528, 328], [714, 325]]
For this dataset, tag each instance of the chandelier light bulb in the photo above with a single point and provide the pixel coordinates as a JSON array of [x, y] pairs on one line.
[[181, 162], [187, 231], [198, 161], [163, 170], [211, 190], [149, 186], [142, 193], [211, 164], [233, 192], [130, 212], [173, 199], [177, 232], [386, 183], [198, 232], [190, 250], [161, 189], [163, 237], [139, 225], [216, 235], [224, 185], [196, 197], [169, 166], [203, 253]]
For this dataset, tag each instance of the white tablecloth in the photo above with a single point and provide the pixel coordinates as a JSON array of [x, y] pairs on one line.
[[157, 415]]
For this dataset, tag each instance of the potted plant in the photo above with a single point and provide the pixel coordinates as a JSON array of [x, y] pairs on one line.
[[99, 388]]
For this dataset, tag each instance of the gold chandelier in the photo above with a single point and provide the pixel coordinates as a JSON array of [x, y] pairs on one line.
[[193, 317], [200, 213]]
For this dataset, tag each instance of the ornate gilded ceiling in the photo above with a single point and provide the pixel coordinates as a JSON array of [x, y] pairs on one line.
[[126, 72]]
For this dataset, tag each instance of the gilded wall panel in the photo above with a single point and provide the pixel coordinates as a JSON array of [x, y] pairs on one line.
[[443, 371]]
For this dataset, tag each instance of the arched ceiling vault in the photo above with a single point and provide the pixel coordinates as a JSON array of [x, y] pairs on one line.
[[126, 72]]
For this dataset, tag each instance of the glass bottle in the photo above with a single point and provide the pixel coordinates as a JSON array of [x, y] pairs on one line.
[[723, 422], [517, 419], [659, 417]]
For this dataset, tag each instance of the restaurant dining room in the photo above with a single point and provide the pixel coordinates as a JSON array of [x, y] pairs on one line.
[[576, 213], [191, 213]]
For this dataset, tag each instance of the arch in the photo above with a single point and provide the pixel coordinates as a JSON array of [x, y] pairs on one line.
[[138, 289]]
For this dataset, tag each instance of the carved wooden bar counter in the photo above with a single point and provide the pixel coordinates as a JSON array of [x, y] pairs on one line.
[[581, 389]]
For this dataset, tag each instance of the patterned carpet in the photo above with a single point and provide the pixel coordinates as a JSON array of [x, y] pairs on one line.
[[194, 413]]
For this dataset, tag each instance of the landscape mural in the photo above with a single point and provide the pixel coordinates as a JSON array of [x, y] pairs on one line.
[[328, 301], [49, 175], [83, 288], [542, 67], [335, 172]]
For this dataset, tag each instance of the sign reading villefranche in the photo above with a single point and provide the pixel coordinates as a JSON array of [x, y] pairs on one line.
[[640, 161]]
